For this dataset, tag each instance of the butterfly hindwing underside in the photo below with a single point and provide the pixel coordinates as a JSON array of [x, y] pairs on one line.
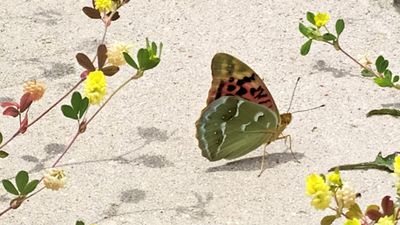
[[231, 127]]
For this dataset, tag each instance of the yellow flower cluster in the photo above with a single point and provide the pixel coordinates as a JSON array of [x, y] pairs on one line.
[[353, 221], [319, 190], [396, 166], [322, 190], [386, 220], [114, 53], [54, 179], [36, 88], [95, 87], [321, 19], [104, 5]]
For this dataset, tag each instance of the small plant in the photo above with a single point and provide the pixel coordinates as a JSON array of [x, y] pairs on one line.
[[94, 95], [330, 192], [318, 31]]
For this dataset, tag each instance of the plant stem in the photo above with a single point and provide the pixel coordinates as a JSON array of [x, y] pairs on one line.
[[44, 113], [66, 148], [356, 61], [56, 103], [6, 210], [137, 75]]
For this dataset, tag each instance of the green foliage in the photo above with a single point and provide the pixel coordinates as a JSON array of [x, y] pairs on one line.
[[391, 112], [380, 163], [328, 220], [354, 212], [79, 223], [329, 37], [381, 64], [367, 73], [147, 58], [24, 187], [77, 108], [3, 154], [310, 17], [339, 26], [305, 48]]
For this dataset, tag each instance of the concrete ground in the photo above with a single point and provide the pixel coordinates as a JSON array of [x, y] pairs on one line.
[[139, 162]]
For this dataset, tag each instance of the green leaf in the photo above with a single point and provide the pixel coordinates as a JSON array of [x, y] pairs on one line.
[[143, 58], [380, 163], [383, 66], [305, 48], [304, 30], [10, 188], [130, 61], [391, 112], [76, 100], [79, 223], [161, 47], [395, 79], [310, 17], [328, 220], [147, 61], [69, 112], [31, 186], [3, 154], [383, 81], [1, 137], [84, 106], [378, 62], [154, 49], [329, 37], [367, 73], [339, 26], [21, 180], [354, 212], [388, 75]]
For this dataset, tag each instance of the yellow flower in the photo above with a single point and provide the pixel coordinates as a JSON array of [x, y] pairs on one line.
[[104, 5], [321, 19], [114, 53], [95, 87], [54, 179], [319, 190], [346, 196], [36, 88], [334, 178], [354, 221], [396, 165], [321, 199], [315, 183], [386, 220]]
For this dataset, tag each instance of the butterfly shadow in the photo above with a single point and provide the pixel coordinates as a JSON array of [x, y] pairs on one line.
[[254, 163]]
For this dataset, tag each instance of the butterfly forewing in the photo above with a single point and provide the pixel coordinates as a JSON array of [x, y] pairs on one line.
[[231, 127], [232, 77]]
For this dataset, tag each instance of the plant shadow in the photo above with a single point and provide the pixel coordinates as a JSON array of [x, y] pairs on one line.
[[254, 163]]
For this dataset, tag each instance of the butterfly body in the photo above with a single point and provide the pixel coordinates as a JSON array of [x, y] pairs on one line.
[[240, 115]]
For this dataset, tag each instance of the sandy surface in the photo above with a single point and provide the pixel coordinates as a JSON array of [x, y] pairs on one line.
[[139, 162]]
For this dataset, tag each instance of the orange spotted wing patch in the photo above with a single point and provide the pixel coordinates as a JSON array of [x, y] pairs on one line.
[[231, 77]]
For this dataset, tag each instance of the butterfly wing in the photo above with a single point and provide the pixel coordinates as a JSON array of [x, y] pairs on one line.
[[230, 127], [232, 77]]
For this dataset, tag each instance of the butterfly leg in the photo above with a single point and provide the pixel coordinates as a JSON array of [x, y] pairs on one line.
[[289, 138], [263, 167]]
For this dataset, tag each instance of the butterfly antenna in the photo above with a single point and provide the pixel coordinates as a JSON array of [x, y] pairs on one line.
[[305, 110], [294, 90]]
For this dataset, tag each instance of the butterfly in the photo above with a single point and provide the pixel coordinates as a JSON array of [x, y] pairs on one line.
[[240, 114]]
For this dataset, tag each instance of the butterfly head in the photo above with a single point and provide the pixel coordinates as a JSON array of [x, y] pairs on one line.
[[286, 118]]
